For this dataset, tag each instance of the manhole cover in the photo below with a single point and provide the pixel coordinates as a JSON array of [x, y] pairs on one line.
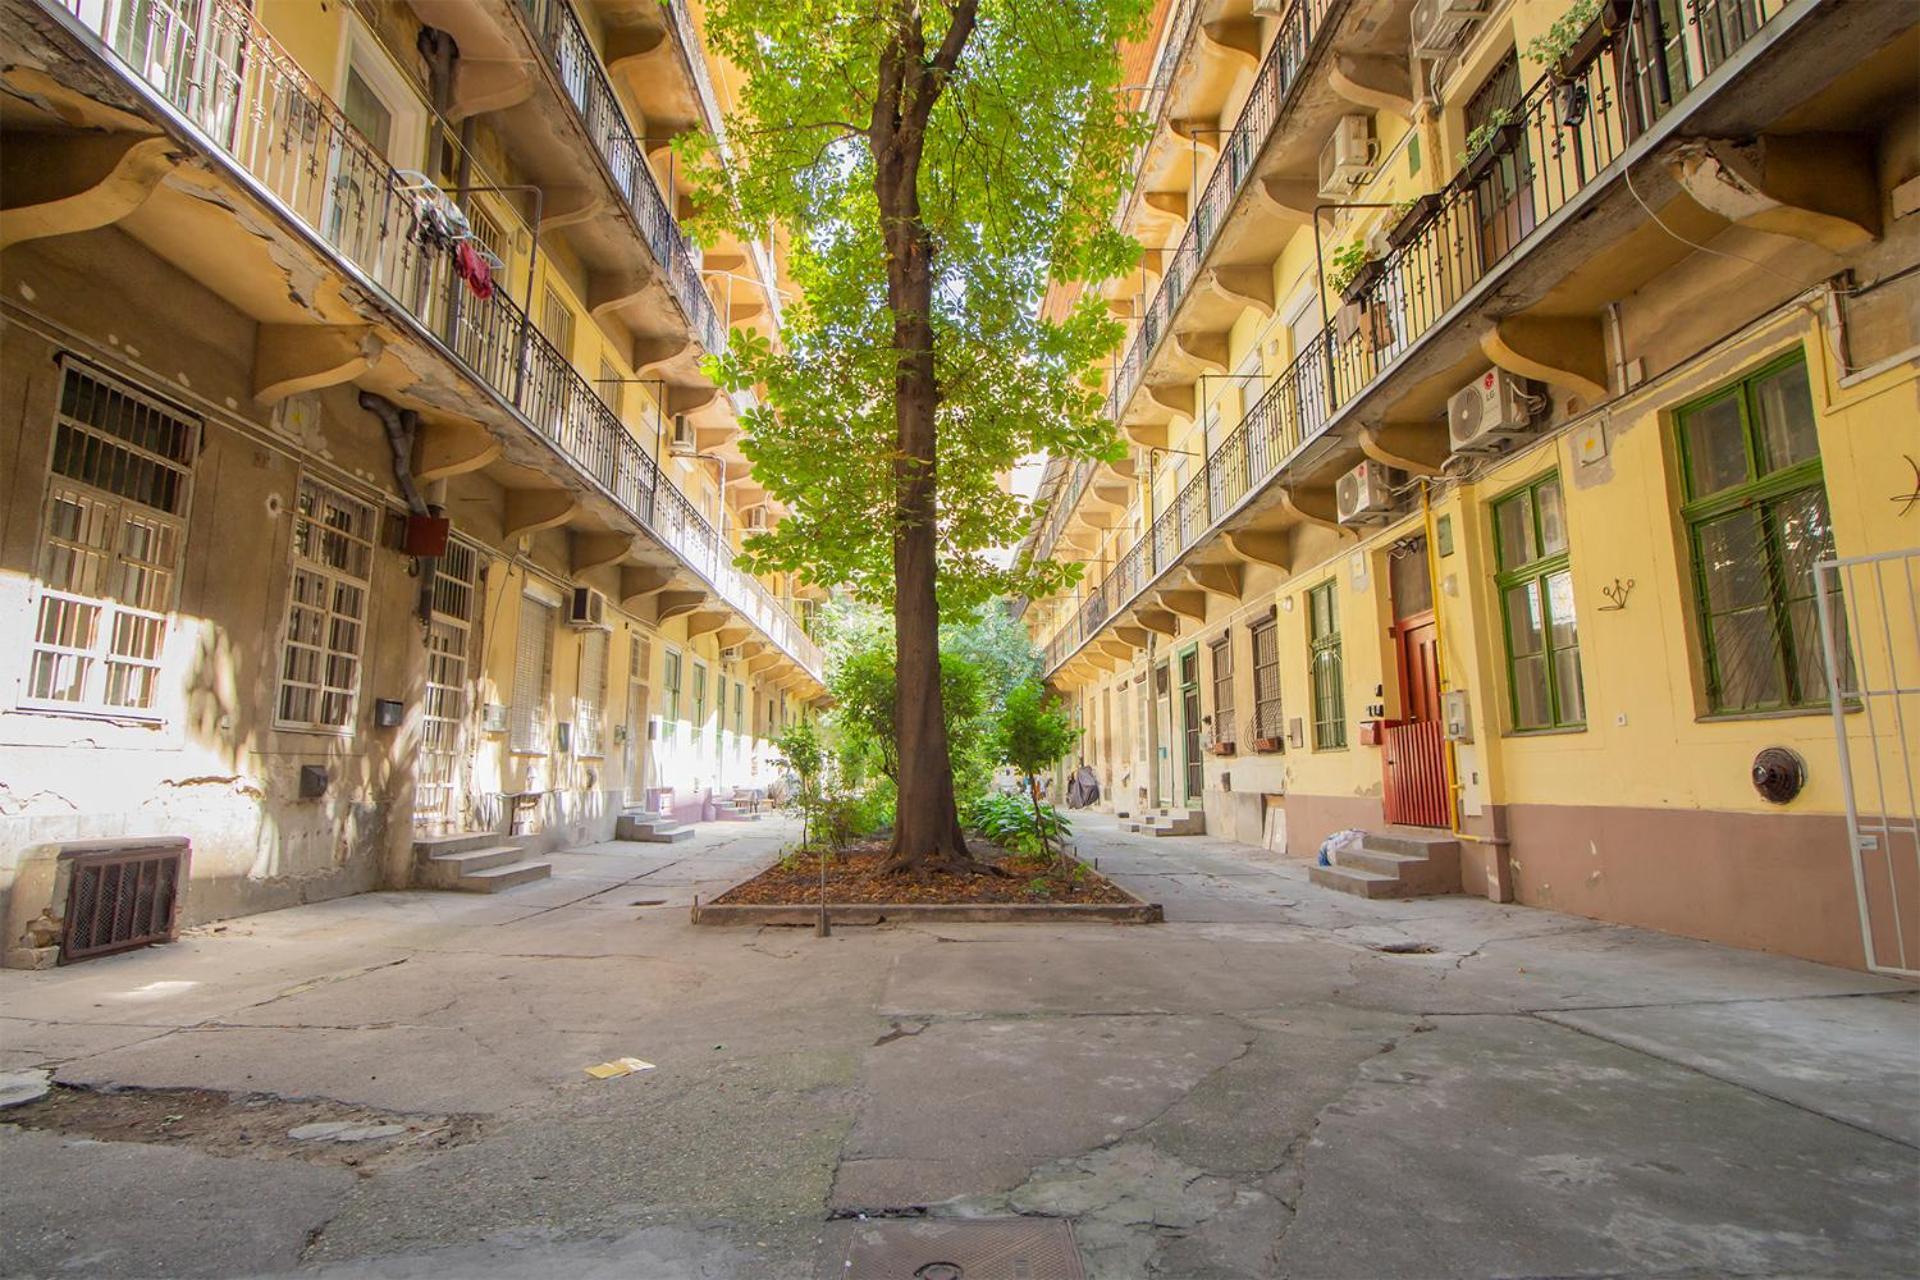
[[953, 1249]]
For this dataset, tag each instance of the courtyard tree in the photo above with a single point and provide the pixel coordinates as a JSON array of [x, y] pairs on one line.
[[930, 165], [1036, 733]]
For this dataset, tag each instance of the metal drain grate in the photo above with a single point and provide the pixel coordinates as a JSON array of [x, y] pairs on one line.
[[957, 1249], [123, 897]]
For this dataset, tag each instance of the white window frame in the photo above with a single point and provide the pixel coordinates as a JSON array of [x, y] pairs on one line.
[[590, 696], [361, 51], [334, 578], [99, 654], [529, 728]]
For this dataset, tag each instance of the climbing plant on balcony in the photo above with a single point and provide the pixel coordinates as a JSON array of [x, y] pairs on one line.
[[930, 165]]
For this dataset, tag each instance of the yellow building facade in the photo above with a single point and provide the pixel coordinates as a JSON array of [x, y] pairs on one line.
[[363, 486], [1522, 399]]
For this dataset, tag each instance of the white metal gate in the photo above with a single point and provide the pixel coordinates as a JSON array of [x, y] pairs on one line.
[[1869, 610]]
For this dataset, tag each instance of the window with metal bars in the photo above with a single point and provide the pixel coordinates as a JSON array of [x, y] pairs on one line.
[[590, 700], [113, 535], [670, 684], [556, 321], [1223, 718], [1326, 670], [697, 735], [326, 617], [1267, 722], [532, 676], [1755, 507]]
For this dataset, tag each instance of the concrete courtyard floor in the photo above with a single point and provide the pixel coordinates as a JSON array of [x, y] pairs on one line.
[[1254, 1088]]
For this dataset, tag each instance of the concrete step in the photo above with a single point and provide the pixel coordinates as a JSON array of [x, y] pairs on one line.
[[494, 879], [442, 870], [641, 815], [428, 846], [1363, 884], [655, 831]]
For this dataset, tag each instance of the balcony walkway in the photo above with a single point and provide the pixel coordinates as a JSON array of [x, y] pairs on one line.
[[1260, 1086]]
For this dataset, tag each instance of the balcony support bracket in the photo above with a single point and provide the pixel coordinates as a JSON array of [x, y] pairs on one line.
[[1261, 546], [442, 450], [1564, 351], [1292, 198], [482, 85], [611, 290], [290, 358], [1188, 604], [1813, 187], [1159, 621], [704, 621], [56, 184], [671, 604], [1220, 579], [1208, 350], [638, 582], [528, 511], [1419, 447], [589, 551], [1314, 504], [1378, 82], [1244, 286], [1132, 637]]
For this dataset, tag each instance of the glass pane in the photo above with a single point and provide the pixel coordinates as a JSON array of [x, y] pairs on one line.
[[1716, 446], [1513, 522], [1524, 623], [1566, 679], [1733, 562], [1806, 536], [1747, 661], [367, 113], [1553, 517], [1809, 657], [1560, 609], [1531, 709], [1785, 408]]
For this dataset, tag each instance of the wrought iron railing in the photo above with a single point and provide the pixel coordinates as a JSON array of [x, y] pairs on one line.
[[1563, 136], [557, 30], [247, 98]]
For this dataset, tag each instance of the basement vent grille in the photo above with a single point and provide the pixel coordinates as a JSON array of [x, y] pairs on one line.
[[118, 899]]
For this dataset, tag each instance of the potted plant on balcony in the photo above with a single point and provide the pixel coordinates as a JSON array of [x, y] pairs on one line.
[[1411, 215], [1351, 268], [1264, 746], [1499, 135]]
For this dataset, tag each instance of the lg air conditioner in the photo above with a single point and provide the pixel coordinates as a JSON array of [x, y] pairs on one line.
[[1365, 494], [587, 610], [1440, 25], [1487, 414], [1348, 157]]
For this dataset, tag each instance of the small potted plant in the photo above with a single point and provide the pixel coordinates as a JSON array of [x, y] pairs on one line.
[[1486, 144], [1411, 215], [1351, 269]]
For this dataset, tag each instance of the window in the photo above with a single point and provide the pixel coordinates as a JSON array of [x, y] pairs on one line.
[[1329, 694], [699, 704], [368, 112], [739, 709], [589, 714], [1266, 681], [532, 675], [326, 609], [670, 680], [1223, 726], [556, 321], [115, 529], [1755, 508], [1536, 602]]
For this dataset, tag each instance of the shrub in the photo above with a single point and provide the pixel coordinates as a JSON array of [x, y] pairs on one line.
[[1033, 829]]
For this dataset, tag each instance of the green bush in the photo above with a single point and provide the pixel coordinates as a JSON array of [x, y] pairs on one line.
[[1020, 826]]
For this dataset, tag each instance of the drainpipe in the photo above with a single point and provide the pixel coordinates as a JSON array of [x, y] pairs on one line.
[[402, 425]]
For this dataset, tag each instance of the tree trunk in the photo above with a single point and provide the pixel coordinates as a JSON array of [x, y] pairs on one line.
[[927, 834]]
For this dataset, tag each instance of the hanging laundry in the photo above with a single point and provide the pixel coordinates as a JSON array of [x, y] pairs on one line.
[[470, 266]]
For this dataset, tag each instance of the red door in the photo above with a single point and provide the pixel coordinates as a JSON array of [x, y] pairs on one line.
[[1415, 756]]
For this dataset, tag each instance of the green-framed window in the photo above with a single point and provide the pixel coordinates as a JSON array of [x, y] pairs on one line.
[[1535, 581], [671, 679], [1325, 669], [697, 735], [1755, 507]]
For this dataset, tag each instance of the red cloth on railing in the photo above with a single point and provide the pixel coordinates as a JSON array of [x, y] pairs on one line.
[[474, 269]]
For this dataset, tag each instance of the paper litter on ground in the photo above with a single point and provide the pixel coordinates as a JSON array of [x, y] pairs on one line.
[[617, 1067]]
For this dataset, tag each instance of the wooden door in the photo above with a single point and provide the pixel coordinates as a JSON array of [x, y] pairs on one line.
[[1415, 755], [1190, 724], [1162, 745]]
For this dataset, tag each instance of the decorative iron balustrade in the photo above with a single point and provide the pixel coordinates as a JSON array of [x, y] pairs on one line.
[[230, 82], [1564, 135], [557, 30]]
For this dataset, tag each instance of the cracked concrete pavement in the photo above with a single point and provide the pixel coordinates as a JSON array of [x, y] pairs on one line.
[[1279, 1081]]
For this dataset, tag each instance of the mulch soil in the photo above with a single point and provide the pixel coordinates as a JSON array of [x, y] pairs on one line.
[[854, 877]]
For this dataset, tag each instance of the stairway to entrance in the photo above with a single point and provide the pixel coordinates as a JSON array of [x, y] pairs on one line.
[[1405, 862], [649, 827], [475, 863]]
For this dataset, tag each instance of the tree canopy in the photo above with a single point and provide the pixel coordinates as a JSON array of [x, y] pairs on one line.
[[1025, 156]]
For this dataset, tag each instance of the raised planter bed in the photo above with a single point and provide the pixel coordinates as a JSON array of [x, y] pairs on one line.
[[788, 893]]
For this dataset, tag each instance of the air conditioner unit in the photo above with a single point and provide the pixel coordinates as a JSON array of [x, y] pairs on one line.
[[682, 440], [1365, 494], [1484, 415], [754, 519], [730, 654], [1440, 25], [1348, 157], [587, 611]]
